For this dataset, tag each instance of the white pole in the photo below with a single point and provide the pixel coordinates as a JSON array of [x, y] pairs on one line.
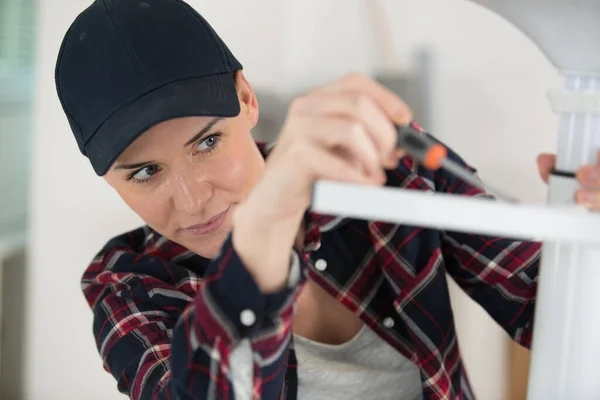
[[566, 345]]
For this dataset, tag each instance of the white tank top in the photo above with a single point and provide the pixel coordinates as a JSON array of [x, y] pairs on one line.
[[365, 367]]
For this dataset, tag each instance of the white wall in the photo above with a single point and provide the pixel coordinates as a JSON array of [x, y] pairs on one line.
[[489, 104]]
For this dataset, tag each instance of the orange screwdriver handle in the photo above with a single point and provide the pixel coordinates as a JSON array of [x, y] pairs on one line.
[[421, 147]]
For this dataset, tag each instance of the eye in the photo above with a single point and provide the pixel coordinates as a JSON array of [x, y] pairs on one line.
[[145, 173], [209, 143]]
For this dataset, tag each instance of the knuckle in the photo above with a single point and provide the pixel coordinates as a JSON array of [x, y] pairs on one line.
[[362, 104], [356, 77], [354, 131]]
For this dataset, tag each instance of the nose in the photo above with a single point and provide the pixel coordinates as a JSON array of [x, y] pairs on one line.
[[190, 193]]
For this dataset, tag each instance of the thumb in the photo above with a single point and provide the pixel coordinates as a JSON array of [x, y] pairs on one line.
[[546, 163]]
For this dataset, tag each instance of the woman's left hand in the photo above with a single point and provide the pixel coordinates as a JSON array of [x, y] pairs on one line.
[[588, 177]]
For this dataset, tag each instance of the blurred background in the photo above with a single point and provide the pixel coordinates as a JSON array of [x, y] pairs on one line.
[[474, 81]]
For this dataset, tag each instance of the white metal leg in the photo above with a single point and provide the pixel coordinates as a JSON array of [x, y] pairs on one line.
[[566, 349], [566, 345]]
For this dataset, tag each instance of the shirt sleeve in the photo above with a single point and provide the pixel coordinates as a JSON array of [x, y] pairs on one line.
[[160, 343], [499, 273]]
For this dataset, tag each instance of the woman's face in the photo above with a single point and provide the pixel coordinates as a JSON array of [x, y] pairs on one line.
[[185, 177]]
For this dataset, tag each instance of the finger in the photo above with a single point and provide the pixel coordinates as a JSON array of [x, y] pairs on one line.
[[589, 176], [329, 165], [362, 109], [588, 198], [338, 134], [546, 163], [392, 105]]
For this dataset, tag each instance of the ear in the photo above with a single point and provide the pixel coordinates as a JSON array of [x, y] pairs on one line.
[[247, 98]]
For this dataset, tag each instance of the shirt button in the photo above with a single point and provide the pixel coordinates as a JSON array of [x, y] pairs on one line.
[[321, 265], [247, 317], [388, 322]]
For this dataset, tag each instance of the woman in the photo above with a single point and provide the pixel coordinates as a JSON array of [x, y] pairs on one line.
[[233, 289]]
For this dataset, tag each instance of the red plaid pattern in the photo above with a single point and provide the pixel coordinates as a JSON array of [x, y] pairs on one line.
[[167, 320]]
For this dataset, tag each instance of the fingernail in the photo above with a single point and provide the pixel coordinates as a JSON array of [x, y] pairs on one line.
[[403, 115]]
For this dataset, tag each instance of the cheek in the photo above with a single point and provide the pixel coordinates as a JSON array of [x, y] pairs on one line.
[[238, 168], [151, 205]]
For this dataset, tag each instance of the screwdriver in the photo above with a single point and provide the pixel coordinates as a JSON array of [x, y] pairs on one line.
[[434, 155]]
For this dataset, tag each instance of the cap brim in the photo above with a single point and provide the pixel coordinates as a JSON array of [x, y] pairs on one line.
[[213, 95]]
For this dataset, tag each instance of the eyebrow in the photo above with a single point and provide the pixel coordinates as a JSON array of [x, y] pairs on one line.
[[134, 166], [196, 137], [203, 131]]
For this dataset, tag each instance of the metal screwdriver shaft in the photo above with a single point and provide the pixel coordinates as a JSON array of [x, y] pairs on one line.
[[433, 155], [468, 177]]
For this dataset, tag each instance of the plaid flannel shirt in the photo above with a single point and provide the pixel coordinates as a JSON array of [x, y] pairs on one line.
[[167, 321]]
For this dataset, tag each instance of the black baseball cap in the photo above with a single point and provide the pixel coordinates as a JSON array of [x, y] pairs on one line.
[[126, 65]]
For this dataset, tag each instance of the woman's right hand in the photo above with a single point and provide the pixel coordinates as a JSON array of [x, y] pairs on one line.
[[343, 132]]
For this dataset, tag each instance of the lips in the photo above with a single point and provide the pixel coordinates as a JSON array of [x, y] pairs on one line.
[[209, 226]]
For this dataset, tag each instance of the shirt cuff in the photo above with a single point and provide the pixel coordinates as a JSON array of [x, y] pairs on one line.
[[276, 303], [232, 304]]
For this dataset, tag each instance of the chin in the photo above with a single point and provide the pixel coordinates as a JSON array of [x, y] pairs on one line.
[[208, 245]]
